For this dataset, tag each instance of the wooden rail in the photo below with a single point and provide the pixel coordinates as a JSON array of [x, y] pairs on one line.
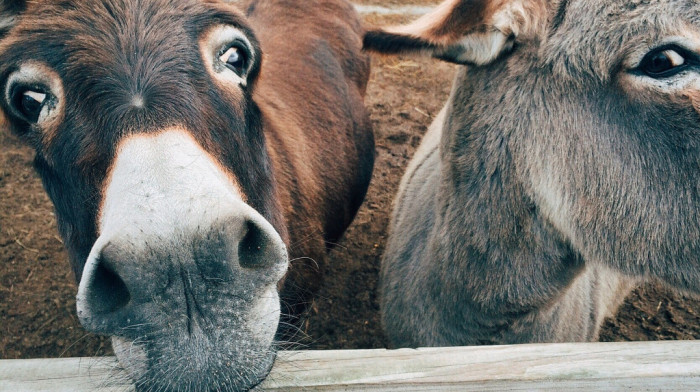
[[653, 366]]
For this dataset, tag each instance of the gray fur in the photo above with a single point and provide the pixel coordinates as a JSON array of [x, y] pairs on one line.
[[555, 181]]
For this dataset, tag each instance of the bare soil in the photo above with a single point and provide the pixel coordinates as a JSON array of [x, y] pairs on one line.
[[37, 289]]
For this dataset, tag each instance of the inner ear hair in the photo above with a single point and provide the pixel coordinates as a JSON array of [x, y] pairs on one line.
[[477, 48]]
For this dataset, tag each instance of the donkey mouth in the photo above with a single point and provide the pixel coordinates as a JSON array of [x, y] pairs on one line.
[[216, 340], [199, 359]]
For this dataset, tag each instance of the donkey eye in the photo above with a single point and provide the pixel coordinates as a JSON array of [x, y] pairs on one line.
[[663, 63], [236, 59], [29, 104]]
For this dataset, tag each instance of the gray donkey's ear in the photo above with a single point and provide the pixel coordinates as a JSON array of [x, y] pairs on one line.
[[462, 31], [10, 11]]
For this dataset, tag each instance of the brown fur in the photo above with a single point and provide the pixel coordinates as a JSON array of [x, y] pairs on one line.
[[296, 140], [317, 195]]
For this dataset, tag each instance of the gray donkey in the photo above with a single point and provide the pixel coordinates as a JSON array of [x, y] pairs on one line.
[[563, 169]]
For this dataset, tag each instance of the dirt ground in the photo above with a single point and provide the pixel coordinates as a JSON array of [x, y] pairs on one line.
[[37, 290]]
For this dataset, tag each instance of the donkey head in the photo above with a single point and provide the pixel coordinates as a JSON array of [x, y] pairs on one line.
[[151, 149], [590, 109]]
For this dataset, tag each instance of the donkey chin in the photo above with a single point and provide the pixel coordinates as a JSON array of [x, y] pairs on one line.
[[235, 356]]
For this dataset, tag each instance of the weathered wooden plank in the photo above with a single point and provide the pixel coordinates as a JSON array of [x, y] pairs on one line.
[[648, 366]]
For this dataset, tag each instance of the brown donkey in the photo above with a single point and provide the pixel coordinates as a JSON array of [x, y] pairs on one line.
[[565, 165], [188, 148]]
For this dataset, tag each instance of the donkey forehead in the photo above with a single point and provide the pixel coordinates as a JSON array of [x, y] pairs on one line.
[[128, 12], [104, 36], [619, 21], [593, 11]]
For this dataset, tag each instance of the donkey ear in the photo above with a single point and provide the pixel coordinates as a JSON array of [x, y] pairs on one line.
[[461, 31], [10, 11]]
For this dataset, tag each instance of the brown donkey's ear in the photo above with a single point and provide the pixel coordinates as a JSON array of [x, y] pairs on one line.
[[461, 31], [9, 13]]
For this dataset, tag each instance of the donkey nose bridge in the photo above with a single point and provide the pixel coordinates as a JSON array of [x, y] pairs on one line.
[[166, 178]]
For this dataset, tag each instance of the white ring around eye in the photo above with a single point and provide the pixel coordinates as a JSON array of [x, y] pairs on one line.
[[215, 43], [34, 73]]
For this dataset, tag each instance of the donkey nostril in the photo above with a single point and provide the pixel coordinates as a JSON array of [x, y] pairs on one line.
[[252, 250], [108, 292]]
